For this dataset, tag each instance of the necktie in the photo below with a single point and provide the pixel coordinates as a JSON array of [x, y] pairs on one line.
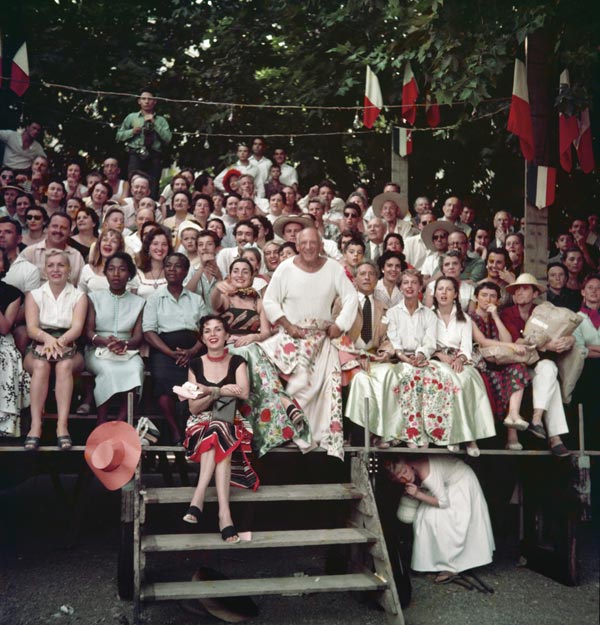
[[367, 327]]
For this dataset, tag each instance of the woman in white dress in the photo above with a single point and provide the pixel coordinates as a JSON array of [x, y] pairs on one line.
[[473, 418], [452, 529], [156, 247]]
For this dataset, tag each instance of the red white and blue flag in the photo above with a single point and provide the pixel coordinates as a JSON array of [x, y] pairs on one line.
[[541, 185], [519, 118], [373, 99], [19, 71], [410, 92]]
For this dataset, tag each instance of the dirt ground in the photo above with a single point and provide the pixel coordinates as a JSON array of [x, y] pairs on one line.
[[52, 574]]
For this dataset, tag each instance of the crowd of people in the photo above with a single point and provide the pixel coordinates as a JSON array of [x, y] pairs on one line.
[[295, 305]]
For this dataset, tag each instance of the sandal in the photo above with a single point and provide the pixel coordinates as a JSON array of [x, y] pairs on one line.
[[31, 443], [84, 409], [230, 532], [538, 430], [64, 442], [560, 451], [444, 577], [193, 516], [517, 424]]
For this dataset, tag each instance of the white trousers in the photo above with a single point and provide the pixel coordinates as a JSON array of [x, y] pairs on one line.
[[547, 397]]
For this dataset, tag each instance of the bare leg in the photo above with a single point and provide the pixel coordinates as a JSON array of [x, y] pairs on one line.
[[223, 483], [64, 390], [102, 411], [514, 404], [207, 468], [40, 379]]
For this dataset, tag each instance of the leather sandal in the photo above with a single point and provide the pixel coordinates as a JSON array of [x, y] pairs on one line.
[[193, 516], [230, 532], [64, 443], [32, 443]]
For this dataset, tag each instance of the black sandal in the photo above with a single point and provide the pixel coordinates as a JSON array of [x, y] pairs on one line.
[[64, 443], [32, 443], [230, 532], [193, 516]]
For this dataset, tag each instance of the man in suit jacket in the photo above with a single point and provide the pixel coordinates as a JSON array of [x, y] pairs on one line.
[[374, 239], [367, 338]]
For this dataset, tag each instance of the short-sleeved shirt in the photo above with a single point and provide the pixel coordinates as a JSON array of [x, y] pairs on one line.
[[56, 313], [164, 313]]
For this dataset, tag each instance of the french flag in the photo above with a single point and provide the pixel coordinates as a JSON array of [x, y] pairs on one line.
[[568, 130], [541, 185], [583, 143], [432, 111], [402, 141], [410, 92], [519, 118], [19, 72], [373, 99]]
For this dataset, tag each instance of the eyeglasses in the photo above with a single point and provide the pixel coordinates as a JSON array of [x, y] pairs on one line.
[[34, 218], [439, 237], [7, 177]]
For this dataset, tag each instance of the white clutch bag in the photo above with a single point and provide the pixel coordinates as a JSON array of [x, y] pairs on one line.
[[187, 391], [105, 354]]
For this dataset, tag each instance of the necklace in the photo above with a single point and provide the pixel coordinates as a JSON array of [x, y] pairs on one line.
[[218, 358], [155, 285]]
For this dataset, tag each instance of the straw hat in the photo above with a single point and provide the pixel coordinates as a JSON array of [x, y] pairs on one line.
[[429, 229], [112, 452], [281, 222], [399, 200], [526, 279]]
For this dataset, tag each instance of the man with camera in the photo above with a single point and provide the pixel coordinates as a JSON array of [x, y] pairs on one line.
[[146, 136]]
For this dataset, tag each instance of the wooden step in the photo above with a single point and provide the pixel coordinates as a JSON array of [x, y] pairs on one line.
[[176, 591], [296, 538], [287, 492]]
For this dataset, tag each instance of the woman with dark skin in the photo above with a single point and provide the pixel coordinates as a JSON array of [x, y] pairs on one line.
[[170, 325]]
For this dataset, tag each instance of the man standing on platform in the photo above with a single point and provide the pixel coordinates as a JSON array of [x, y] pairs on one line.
[[146, 136]]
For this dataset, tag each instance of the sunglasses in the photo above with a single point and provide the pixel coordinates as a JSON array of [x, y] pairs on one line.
[[353, 215], [7, 177], [439, 237], [34, 218]]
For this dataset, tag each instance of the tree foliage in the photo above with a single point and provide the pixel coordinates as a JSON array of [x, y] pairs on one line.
[[306, 53]]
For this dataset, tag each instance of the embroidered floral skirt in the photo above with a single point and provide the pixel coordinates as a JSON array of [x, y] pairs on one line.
[[14, 387], [411, 404]]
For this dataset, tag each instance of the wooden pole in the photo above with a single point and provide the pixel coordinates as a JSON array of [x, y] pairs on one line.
[[400, 171]]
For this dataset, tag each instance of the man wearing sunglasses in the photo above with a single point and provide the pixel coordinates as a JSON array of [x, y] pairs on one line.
[[415, 250]]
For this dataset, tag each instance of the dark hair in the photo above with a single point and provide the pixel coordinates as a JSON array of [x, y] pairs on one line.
[[518, 235], [126, 258], [288, 244], [392, 184], [201, 180], [557, 264], [144, 260], [353, 206], [353, 234], [180, 256], [58, 181], [232, 194], [41, 209], [92, 213], [9, 220], [589, 277], [460, 315], [204, 196], [63, 215], [255, 252], [328, 184], [502, 251], [392, 235], [211, 234], [382, 260], [106, 186], [355, 241], [249, 224], [267, 226], [182, 177], [6, 262], [487, 285], [204, 320], [79, 201], [187, 196], [245, 261]]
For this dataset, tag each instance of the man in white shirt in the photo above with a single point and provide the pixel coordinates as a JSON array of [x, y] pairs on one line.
[[263, 163], [243, 165], [140, 189], [245, 233], [22, 274], [392, 208], [289, 175], [59, 231], [415, 250], [21, 147], [452, 209]]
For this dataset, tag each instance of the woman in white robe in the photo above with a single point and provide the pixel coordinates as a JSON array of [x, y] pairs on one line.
[[452, 528], [473, 418]]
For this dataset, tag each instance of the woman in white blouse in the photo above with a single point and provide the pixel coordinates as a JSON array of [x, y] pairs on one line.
[[410, 401], [55, 315], [472, 418], [452, 267]]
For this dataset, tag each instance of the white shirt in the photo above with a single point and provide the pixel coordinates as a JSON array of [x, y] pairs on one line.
[[264, 169], [56, 313], [298, 295], [416, 251], [14, 154], [415, 333], [381, 295], [251, 169], [431, 265], [289, 175], [457, 334], [23, 275], [359, 343]]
